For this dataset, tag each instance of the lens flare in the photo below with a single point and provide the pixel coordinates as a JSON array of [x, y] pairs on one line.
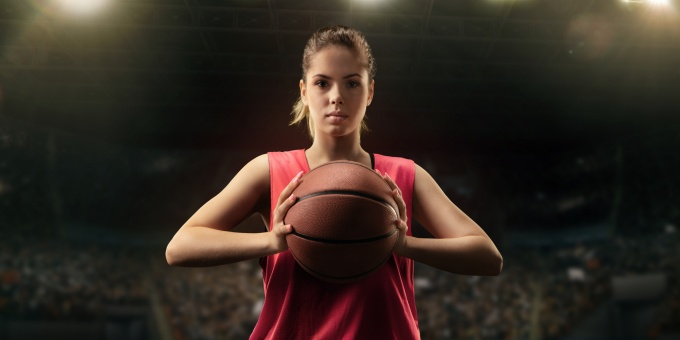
[[52, 8], [82, 6], [648, 2], [44, 7], [589, 37]]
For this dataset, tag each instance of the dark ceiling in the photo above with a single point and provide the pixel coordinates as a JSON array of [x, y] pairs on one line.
[[477, 74]]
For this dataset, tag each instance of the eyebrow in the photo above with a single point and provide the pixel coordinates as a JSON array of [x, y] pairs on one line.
[[345, 77]]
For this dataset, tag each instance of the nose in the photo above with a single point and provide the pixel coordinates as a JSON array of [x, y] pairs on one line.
[[336, 96]]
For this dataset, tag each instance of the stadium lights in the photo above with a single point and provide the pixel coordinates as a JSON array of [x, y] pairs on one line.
[[659, 2], [650, 2], [83, 7]]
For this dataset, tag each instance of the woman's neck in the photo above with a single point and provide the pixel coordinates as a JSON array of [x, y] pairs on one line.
[[327, 149]]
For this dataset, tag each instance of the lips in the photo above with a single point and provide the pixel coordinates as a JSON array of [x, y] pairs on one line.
[[336, 116]]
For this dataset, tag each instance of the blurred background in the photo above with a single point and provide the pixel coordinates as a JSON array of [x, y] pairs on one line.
[[553, 124]]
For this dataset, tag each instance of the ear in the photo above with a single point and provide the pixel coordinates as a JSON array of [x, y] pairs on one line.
[[303, 92], [371, 91]]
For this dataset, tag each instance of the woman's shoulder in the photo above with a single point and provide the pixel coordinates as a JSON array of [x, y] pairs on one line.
[[254, 174], [383, 162], [263, 161], [260, 162], [272, 165]]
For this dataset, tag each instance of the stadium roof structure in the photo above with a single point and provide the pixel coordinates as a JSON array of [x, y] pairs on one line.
[[478, 75]]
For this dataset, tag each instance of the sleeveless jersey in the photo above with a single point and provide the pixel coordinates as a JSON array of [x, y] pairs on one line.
[[300, 306]]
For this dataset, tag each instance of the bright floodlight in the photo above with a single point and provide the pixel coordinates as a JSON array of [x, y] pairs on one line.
[[368, 2], [651, 2], [82, 6]]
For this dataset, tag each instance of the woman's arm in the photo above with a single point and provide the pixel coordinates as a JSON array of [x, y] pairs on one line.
[[205, 239], [460, 245]]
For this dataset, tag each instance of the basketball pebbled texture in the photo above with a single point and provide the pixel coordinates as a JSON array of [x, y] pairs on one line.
[[343, 222]]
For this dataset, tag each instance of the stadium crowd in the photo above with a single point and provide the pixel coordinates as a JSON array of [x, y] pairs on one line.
[[547, 291], [52, 280]]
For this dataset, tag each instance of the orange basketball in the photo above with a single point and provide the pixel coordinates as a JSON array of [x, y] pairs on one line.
[[343, 222]]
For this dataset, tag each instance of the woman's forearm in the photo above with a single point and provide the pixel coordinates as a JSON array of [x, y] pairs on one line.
[[201, 247], [468, 255]]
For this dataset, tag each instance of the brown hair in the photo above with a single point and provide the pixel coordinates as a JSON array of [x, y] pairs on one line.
[[332, 36]]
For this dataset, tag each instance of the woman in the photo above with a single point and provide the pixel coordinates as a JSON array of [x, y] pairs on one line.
[[336, 88]]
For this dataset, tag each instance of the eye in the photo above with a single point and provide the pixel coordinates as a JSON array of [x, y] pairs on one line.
[[353, 84], [321, 83]]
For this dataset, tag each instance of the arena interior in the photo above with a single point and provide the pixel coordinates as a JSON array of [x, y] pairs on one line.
[[555, 125]]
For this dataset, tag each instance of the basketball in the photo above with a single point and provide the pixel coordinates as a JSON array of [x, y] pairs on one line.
[[343, 222]]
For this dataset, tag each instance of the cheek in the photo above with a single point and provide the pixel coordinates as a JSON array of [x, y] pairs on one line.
[[314, 101], [362, 96]]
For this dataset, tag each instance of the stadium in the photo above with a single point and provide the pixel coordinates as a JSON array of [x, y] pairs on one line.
[[552, 124]]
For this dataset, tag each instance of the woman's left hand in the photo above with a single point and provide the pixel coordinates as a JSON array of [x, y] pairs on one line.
[[401, 224]]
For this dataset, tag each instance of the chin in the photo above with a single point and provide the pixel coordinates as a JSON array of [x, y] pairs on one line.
[[337, 132]]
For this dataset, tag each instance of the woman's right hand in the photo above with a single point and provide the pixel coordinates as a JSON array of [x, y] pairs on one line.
[[286, 200]]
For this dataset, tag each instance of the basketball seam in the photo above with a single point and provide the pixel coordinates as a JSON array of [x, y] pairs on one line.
[[346, 277], [341, 278], [348, 193], [331, 241]]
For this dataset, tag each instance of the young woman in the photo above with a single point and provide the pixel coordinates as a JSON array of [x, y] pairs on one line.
[[337, 86]]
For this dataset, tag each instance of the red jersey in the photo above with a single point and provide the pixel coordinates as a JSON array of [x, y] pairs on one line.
[[300, 306]]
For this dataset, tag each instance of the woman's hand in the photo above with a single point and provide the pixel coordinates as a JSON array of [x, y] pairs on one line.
[[401, 224], [286, 200]]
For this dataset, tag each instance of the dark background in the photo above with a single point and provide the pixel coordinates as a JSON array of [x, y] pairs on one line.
[[130, 97]]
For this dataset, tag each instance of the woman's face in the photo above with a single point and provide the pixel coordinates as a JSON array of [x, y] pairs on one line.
[[337, 91]]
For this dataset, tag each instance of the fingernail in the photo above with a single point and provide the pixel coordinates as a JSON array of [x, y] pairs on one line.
[[291, 197], [297, 177]]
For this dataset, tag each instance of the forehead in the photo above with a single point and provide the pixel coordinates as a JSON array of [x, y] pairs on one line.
[[336, 59]]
